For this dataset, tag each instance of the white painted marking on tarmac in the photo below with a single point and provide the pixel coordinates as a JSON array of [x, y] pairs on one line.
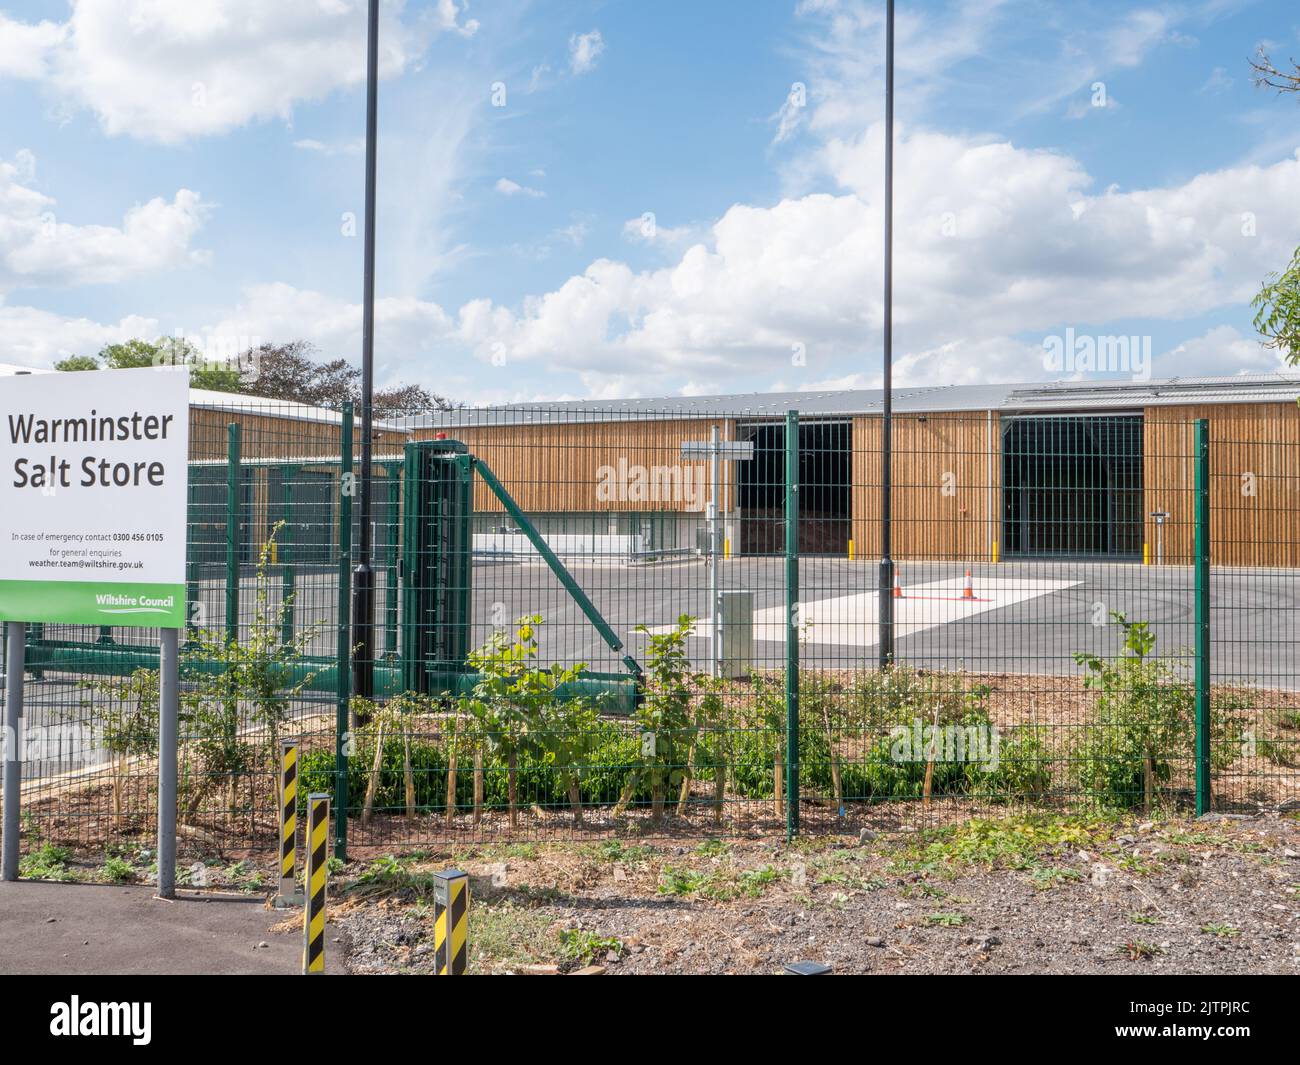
[[851, 620]]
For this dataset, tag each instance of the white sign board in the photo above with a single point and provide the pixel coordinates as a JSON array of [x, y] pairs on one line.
[[738, 450], [93, 470]]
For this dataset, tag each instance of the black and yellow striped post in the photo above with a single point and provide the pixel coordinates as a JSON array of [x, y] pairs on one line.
[[451, 923], [289, 895], [313, 914]]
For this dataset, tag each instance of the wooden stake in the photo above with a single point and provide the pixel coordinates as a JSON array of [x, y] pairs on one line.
[[408, 776], [478, 784], [372, 786], [451, 781], [835, 758], [929, 765], [512, 787], [778, 783]]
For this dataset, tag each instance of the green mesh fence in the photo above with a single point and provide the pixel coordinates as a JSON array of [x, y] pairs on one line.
[[648, 621]]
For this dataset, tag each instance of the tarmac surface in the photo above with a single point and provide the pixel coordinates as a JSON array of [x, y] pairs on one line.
[[83, 929]]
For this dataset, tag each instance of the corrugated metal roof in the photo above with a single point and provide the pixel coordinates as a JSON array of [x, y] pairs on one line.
[[239, 403], [1008, 398]]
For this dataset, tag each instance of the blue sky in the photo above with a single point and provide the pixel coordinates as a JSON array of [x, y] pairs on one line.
[[623, 198]]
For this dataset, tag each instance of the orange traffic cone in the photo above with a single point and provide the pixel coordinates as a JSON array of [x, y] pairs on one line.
[[898, 588], [969, 591]]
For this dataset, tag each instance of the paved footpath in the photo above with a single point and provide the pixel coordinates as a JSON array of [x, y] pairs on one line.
[[78, 929]]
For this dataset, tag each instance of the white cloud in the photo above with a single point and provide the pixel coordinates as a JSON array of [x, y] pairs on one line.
[[1218, 81], [39, 338], [168, 71], [584, 50], [645, 229], [512, 188], [25, 48], [417, 329], [538, 77], [39, 248], [575, 233], [355, 146], [994, 242], [1221, 350]]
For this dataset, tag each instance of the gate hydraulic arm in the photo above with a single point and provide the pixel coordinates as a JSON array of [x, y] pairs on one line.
[[557, 567]]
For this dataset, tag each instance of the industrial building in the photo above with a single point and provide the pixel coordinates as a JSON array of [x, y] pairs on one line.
[[1072, 469]]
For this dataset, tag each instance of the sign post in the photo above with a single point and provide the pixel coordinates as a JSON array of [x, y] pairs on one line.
[[93, 473], [715, 449], [13, 729]]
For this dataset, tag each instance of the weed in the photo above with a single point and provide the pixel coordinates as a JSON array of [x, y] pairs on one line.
[[585, 947], [1046, 877], [1135, 950], [923, 890], [505, 936], [117, 870], [675, 881], [1221, 929], [615, 850], [49, 862], [946, 919], [754, 881], [392, 876], [999, 843]]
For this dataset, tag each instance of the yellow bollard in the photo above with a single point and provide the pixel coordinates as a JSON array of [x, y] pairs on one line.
[[1146, 554], [450, 923], [313, 914], [726, 547], [850, 550], [995, 552], [288, 895]]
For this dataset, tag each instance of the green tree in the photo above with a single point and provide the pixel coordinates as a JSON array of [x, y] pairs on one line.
[[1277, 311], [1277, 306], [165, 351], [293, 373], [74, 363]]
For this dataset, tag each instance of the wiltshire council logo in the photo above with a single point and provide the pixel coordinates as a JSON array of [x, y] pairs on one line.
[[111, 603]]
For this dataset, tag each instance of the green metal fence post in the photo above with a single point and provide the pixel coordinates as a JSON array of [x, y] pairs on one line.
[[344, 657], [232, 532], [792, 624], [390, 562], [1202, 567], [284, 555]]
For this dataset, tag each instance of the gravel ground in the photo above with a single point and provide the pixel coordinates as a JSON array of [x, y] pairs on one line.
[[1220, 895]]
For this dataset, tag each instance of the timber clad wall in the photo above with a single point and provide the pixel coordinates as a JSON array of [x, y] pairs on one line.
[[947, 472], [268, 435], [947, 486], [557, 468], [1254, 481]]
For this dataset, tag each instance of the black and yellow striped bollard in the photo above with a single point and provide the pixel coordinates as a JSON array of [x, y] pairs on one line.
[[451, 923], [288, 895], [313, 914]]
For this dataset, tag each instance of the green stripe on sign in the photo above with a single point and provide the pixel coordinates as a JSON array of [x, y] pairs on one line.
[[160, 606]]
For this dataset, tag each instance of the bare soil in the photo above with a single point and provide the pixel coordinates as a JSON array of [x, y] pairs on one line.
[[1024, 894]]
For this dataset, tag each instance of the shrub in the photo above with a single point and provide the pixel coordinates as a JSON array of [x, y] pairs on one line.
[[1144, 723], [613, 753]]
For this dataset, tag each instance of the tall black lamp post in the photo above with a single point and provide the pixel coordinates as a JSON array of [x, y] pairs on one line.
[[363, 583], [885, 589]]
